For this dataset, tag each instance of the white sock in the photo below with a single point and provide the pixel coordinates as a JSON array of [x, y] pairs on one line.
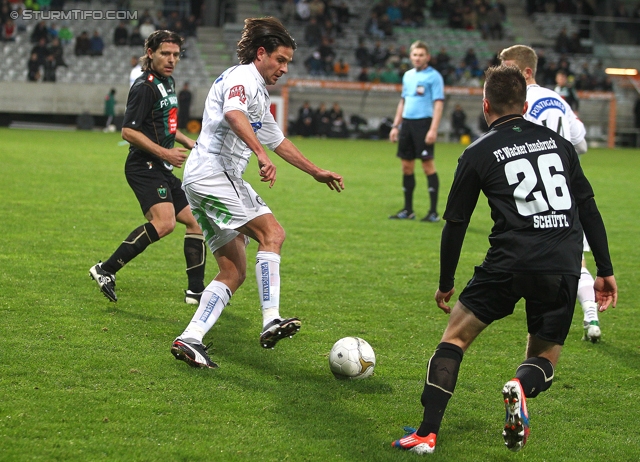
[[587, 296], [268, 278], [214, 298]]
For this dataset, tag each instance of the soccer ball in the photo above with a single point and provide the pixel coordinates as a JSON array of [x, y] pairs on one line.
[[352, 358]]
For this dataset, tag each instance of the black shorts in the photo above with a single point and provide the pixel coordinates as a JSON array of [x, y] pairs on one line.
[[411, 143], [153, 184], [550, 300]]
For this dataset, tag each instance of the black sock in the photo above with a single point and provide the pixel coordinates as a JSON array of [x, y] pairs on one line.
[[408, 185], [535, 375], [442, 374], [195, 255], [433, 184], [133, 245]]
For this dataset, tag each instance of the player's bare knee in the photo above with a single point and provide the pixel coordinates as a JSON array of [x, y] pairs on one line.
[[164, 227]]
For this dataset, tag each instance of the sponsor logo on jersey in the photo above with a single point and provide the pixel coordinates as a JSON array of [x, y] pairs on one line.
[[238, 91], [167, 101], [162, 193], [163, 91], [420, 90], [150, 164], [551, 221], [259, 200], [173, 120], [543, 104]]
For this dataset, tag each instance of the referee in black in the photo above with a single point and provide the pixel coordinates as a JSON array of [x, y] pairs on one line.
[[151, 127], [540, 202]]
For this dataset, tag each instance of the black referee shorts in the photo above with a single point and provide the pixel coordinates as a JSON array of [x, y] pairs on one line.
[[550, 300], [153, 184], [411, 143]]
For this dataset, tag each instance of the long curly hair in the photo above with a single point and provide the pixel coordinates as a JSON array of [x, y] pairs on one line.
[[267, 32], [154, 41]]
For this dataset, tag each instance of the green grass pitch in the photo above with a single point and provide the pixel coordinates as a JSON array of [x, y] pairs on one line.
[[82, 379]]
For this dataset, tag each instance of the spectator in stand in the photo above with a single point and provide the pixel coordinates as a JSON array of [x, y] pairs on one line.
[[41, 50], [20, 22], [287, 11], [470, 59], [456, 20], [363, 76], [57, 51], [96, 44], [575, 45], [459, 125], [375, 75], [636, 113], [439, 9], [305, 123], [442, 64], [494, 21], [549, 74], [312, 33], [317, 10], [184, 106], [323, 120], [65, 35], [564, 89], [146, 14], [394, 13], [363, 57], [469, 18], [327, 55], [330, 30], [40, 32], [315, 65], [109, 109], [379, 54], [564, 65], [52, 31], [482, 18], [9, 31], [33, 68], [605, 85], [136, 39], [385, 26], [372, 27], [121, 35], [339, 127], [83, 44], [191, 26], [136, 70], [599, 74], [562, 41], [303, 12], [390, 75], [584, 80], [341, 69], [341, 9], [147, 28]]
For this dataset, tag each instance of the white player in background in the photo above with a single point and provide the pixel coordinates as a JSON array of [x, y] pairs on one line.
[[548, 108]]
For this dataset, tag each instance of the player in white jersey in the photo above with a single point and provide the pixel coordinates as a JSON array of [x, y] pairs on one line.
[[548, 108], [237, 122]]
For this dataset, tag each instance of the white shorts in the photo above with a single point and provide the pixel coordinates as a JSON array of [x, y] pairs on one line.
[[222, 203]]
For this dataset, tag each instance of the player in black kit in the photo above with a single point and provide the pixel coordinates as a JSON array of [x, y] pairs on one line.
[[151, 127], [539, 197]]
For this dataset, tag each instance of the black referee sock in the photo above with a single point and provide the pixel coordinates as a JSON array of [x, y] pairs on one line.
[[131, 247], [442, 375], [433, 184], [535, 376], [408, 185], [195, 255]]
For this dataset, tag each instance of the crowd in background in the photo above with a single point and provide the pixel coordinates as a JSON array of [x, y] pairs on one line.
[[49, 39]]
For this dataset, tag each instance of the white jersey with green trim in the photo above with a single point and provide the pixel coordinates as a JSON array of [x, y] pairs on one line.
[[218, 149], [548, 108]]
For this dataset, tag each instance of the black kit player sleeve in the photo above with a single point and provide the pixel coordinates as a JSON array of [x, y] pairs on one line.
[[596, 233]]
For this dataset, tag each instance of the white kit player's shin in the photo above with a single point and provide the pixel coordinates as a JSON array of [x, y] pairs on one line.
[[214, 298], [268, 278]]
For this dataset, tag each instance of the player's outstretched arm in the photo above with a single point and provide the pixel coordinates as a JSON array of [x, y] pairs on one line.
[[606, 291], [289, 152]]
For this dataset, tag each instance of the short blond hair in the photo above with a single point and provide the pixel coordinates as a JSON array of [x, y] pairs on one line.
[[419, 44], [522, 55]]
